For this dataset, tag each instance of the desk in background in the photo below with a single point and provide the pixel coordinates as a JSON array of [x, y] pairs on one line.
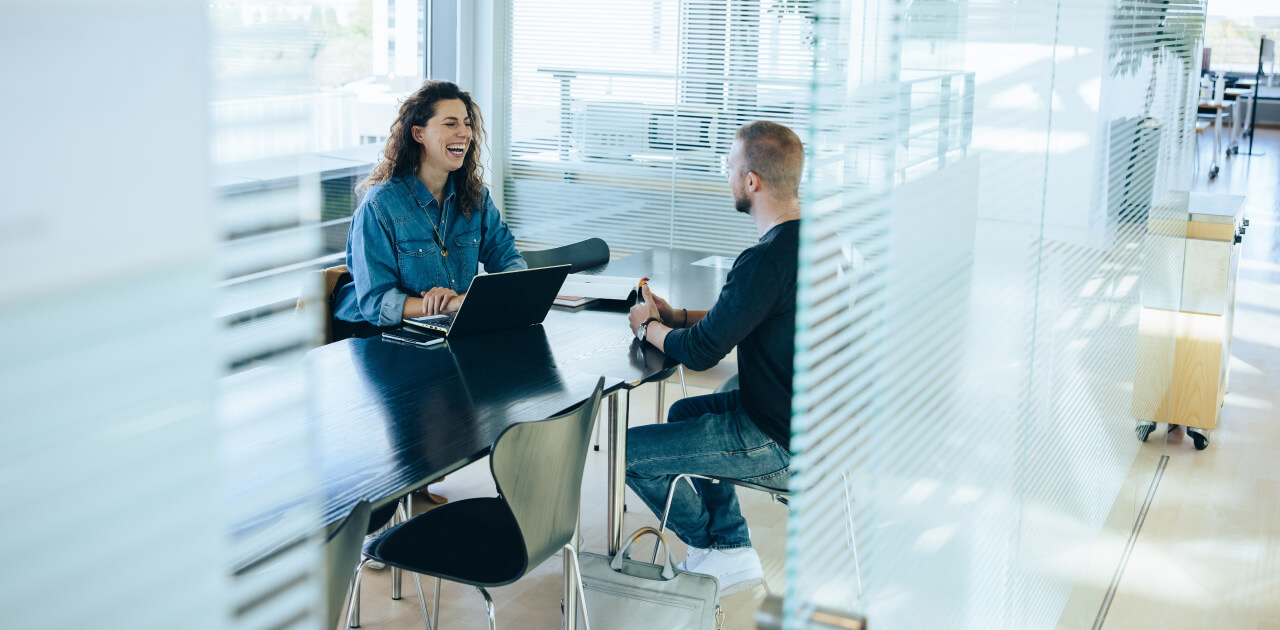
[[1185, 327]]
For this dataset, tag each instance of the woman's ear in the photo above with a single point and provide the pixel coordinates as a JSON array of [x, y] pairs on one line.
[[417, 132]]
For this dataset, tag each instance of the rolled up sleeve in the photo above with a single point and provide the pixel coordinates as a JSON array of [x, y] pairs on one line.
[[498, 247], [372, 262]]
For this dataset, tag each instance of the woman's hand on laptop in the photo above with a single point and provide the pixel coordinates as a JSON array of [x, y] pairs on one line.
[[454, 303], [437, 301]]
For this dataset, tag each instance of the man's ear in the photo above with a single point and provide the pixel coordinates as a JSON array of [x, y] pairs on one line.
[[417, 132], [753, 182]]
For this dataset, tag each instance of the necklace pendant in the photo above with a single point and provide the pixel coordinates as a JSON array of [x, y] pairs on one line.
[[444, 251]]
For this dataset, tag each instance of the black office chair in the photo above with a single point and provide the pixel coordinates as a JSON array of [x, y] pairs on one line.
[[486, 542], [341, 553], [592, 252]]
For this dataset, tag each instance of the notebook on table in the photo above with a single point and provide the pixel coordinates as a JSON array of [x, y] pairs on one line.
[[499, 301], [581, 288]]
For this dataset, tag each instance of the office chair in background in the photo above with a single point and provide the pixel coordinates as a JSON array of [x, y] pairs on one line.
[[341, 553], [592, 252]]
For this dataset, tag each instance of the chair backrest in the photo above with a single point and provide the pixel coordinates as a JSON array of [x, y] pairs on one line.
[[341, 554], [579, 256], [318, 294], [538, 470], [728, 385]]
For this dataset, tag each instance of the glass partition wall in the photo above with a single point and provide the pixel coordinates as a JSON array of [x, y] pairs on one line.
[[991, 199], [300, 102]]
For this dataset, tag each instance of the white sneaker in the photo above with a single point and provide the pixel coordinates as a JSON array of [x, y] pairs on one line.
[[374, 564], [692, 557], [736, 569]]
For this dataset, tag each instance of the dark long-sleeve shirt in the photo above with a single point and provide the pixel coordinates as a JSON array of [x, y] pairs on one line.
[[756, 311]]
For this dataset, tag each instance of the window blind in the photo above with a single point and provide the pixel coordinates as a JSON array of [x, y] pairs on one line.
[[619, 118]]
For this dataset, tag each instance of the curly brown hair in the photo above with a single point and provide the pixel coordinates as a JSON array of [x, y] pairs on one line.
[[403, 154]]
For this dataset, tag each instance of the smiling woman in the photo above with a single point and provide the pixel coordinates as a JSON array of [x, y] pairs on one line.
[[427, 221]]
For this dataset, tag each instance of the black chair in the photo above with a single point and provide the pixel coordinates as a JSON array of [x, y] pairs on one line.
[[486, 542], [341, 553], [592, 252]]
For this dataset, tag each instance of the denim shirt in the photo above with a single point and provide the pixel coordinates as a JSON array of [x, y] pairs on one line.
[[393, 254]]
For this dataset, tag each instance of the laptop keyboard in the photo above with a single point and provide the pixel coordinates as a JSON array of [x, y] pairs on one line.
[[434, 322]]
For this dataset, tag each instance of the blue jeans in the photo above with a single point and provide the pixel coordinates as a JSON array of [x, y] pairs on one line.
[[705, 435]]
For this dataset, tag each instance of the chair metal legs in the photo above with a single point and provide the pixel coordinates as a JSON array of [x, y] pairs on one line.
[[661, 394], [675, 483], [422, 603], [488, 605], [403, 510], [848, 515], [597, 430], [353, 612], [661, 402], [571, 553], [436, 605], [666, 510]]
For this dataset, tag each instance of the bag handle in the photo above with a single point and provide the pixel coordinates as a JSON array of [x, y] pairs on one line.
[[668, 572]]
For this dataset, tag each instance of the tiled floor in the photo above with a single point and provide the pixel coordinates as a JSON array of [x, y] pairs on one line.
[[1209, 553]]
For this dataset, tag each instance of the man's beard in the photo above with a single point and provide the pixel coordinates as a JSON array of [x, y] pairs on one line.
[[742, 204]]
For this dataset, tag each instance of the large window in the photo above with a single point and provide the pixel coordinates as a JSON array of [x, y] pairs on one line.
[[303, 96], [619, 118], [1234, 30], [355, 57]]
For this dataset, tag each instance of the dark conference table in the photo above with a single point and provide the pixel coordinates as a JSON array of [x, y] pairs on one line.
[[392, 418]]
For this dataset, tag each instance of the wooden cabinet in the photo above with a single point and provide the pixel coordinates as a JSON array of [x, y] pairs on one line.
[[1184, 329]]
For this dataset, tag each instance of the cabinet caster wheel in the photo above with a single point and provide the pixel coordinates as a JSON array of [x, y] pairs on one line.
[[1201, 439], [1213, 173], [1145, 430]]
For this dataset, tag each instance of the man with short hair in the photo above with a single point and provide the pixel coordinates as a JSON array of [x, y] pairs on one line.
[[742, 433]]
